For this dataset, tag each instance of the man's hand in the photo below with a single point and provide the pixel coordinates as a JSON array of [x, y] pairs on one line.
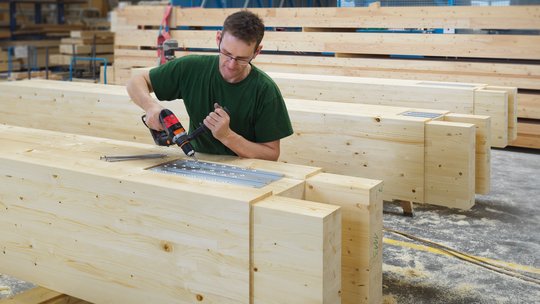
[[152, 117], [218, 122]]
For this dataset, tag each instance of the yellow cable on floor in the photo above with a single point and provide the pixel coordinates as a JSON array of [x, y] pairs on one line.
[[507, 268]]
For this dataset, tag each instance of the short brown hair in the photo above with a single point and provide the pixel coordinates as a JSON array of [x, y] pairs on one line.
[[245, 26]]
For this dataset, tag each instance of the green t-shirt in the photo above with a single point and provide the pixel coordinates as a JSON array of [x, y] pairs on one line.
[[257, 109]]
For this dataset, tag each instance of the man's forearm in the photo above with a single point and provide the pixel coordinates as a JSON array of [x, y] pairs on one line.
[[139, 91], [248, 149]]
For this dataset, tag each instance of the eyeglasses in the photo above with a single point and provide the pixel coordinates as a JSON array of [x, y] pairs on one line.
[[239, 61]]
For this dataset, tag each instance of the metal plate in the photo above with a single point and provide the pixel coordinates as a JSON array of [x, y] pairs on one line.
[[421, 114], [219, 173]]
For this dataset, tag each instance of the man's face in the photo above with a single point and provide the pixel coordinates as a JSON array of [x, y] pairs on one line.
[[234, 57]]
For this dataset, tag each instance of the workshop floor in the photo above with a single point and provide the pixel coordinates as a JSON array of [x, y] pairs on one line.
[[503, 228]]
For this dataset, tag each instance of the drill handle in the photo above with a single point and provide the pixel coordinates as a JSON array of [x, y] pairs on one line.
[[161, 138]]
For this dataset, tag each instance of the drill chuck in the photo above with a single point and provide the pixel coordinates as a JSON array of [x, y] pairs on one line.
[[183, 142]]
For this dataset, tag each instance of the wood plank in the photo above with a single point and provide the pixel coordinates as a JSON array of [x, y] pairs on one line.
[[92, 34], [523, 76], [512, 109], [86, 49], [159, 220], [87, 41], [302, 275], [361, 233], [491, 17], [463, 45], [495, 104], [5, 34], [528, 105], [36, 43], [61, 59], [362, 139], [483, 149], [450, 164], [127, 59], [528, 135], [455, 97]]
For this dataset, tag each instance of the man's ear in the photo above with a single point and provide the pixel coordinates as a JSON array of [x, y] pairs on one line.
[[257, 51], [218, 38]]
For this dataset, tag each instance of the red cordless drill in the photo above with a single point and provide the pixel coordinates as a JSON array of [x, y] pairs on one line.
[[174, 132]]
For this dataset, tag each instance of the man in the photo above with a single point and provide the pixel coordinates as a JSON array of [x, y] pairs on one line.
[[258, 115]]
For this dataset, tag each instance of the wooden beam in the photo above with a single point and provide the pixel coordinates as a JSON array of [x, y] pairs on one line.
[[115, 232], [521, 75], [299, 270], [463, 45], [450, 164], [472, 98], [528, 135], [529, 105], [492, 17], [512, 108], [482, 148], [359, 140], [86, 49], [362, 243]]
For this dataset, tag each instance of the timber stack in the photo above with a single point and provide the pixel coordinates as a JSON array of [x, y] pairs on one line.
[[339, 41], [98, 44]]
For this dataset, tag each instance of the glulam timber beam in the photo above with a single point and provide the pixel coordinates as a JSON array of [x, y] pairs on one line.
[[491, 17], [116, 232], [500, 103], [377, 142]]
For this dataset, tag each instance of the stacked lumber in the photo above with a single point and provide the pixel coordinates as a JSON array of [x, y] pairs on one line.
[[82, 44], [35, 74], [49, 30], [3, 61], [39, 46], [330, 43], [116, 232], [443, 160]]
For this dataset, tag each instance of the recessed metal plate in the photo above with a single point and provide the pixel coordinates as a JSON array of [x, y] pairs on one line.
[[421, 114], [219, 173]]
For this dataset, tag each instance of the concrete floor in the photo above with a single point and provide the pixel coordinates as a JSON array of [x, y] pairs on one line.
[[503, 226]]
